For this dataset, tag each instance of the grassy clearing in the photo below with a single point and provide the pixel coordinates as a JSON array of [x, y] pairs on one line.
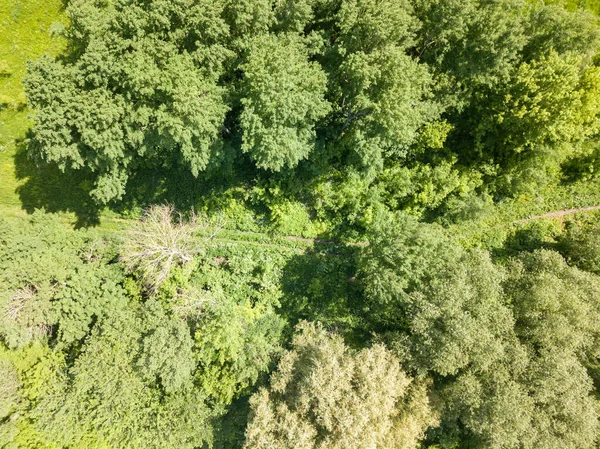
[[592, 5], [26, 35]]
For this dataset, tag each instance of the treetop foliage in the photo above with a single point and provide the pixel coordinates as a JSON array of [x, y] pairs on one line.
[[324, 395], [338, 87], [500, 341], [350, 143], [284, 98]]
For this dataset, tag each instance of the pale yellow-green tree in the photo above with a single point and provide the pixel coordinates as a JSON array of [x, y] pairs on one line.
[[325, 395]]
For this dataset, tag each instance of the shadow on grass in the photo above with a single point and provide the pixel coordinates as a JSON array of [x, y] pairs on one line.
[[45, 186], [169, 183]]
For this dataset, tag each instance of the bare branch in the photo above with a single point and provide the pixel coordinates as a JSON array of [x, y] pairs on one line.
[[161, 240]]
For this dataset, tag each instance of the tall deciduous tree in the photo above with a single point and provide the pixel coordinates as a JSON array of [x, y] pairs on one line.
[[140, 81], [507, 345], [283, 99], [325, 395], [381, 93], [550, 107]]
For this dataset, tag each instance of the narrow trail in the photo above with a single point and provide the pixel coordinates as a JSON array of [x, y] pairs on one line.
[[323, 242], [559, 213], [270, 240]]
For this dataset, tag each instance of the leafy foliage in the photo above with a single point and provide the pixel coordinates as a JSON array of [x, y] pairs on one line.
[[101, 111], [329, 132], [104, 397], [54, 282], [501, 342], [327, 396], [283, 100]]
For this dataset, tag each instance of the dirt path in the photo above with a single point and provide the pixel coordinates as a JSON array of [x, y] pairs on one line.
[[559, 213]]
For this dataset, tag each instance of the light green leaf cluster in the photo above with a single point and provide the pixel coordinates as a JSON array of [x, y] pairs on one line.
[[325, 395], [235, 345]]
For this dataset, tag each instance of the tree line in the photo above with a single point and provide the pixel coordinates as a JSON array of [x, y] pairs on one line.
[[421, 105]]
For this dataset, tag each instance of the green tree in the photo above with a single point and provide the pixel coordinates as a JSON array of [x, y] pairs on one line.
[[234, 348], [402, 254], [475, 44], [552, 27], [538, 393], [167, 352], [9, 393], [514, 77], [55, 282], [551, 106], [325, 395], [581, 247], [507, 346], [283, 99], [140, 82], [121, 389], [556, 306], [381, 95]]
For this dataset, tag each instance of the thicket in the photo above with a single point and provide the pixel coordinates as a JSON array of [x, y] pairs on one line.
[[435, 107], [394, 123], [445, 347]]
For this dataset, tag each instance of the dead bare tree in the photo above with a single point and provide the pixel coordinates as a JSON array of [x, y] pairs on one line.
[[163, 239], [190, 303]]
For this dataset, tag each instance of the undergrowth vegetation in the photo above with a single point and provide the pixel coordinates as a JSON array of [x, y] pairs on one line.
[[316, 224]]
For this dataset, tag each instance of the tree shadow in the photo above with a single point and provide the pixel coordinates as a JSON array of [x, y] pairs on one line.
[[320, 285], [229, 429], [46, 186], [529, 239]]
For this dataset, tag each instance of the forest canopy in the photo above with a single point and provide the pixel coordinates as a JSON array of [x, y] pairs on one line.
[[302, 224], [490, 96]]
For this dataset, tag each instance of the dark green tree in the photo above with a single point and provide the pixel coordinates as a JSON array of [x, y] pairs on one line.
[[140, 83], [283, 99]]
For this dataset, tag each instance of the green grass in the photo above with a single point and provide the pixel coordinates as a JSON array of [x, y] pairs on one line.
[[592, 5], [26, 35], [572, 5], [13, 127]]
